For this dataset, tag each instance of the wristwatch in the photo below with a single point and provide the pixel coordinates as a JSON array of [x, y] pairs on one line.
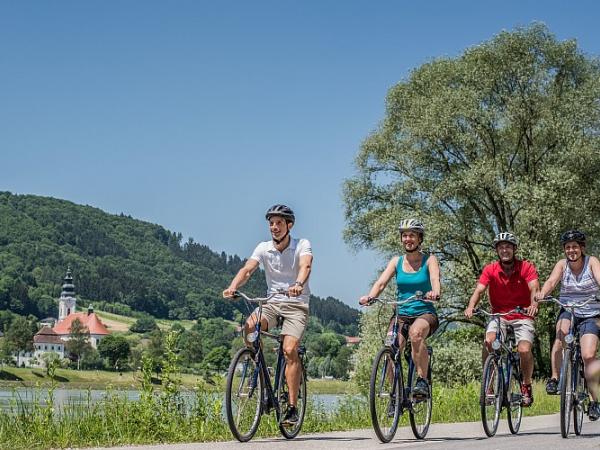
[[299, 283]]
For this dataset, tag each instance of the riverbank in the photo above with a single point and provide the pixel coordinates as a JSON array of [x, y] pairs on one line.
[[100, 379]]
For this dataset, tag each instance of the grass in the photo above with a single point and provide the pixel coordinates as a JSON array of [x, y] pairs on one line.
[[160, 417], [79, 379]]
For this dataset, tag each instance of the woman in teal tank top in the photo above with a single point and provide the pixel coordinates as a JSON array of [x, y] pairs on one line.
[[414, 272]]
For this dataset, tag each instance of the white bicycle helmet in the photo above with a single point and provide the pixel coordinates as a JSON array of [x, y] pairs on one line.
[[505, 236], [412, 225]]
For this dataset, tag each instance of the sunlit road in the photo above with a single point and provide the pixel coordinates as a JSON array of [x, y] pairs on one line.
[[536, 432]]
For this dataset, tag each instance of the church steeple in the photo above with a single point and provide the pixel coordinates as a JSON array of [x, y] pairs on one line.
[[67, 301]]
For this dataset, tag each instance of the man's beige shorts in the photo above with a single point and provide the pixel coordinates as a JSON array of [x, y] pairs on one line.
[[295, 317], [524, 329]]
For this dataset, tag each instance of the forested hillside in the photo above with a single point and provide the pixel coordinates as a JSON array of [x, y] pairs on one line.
[[120, 261]]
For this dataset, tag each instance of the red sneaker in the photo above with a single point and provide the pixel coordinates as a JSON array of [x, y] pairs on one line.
[[527, 394]]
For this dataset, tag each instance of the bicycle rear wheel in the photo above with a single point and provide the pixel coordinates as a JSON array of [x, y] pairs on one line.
[[283, 397], [420, 407], [581, 397], [243, 391], [490, 399], [385, 395], [515, 409], [566, 393]]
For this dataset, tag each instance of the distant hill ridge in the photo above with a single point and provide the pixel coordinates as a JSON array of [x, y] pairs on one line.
[[118, 260]]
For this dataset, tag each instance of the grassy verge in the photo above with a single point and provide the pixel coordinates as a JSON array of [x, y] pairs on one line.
[[159, 417]]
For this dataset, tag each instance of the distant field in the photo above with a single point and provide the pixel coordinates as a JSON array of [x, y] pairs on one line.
[[116, 322]]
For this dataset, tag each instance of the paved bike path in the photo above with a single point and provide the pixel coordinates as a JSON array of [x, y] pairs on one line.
[[536, 432]]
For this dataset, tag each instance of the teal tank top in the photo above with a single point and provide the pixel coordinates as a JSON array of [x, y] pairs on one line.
[[408, 284]]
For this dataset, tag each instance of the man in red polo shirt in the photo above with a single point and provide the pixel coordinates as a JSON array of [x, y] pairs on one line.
[[512, 282]]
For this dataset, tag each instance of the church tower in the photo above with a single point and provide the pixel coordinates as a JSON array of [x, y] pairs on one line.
[[67, 301]]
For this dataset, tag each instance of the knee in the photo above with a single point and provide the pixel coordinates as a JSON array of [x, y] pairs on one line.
[[524, 349], [290, 352], [416, 337]]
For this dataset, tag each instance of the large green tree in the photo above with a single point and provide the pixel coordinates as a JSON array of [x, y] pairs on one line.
[[116, 349], [502, 137]]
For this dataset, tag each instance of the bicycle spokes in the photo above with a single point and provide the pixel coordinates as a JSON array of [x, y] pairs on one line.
[[385, 395]]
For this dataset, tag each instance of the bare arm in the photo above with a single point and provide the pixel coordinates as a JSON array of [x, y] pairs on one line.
[[595, 266], [553, 280], [382, 281], [474, 300], [241, 277], [305, 262], [434, 276], [534, 287]]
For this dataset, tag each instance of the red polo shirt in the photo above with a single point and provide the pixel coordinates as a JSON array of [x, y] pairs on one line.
[[507, 293]]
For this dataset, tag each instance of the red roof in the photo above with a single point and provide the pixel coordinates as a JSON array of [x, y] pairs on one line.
[[91, 321], [47, 336], [352, 340]]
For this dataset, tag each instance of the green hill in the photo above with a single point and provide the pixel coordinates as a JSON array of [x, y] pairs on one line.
[[119, 261]]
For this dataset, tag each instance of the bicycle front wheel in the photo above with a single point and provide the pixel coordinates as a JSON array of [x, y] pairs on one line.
[[243, 391], [283, 398], [385, 395], [581, 397], [420, 407], [515, 398], [490, 399], [566, 393]]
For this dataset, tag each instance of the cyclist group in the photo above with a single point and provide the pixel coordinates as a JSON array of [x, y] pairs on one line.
[[512, 285]]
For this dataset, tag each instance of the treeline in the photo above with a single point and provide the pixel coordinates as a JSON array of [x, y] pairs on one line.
[[134, 266]]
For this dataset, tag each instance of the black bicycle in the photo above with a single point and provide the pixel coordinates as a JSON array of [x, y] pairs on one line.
[[389, 397], [574, 394], [250, 393], [501, 380]]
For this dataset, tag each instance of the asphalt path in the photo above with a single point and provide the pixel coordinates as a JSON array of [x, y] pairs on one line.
[[536, 432]]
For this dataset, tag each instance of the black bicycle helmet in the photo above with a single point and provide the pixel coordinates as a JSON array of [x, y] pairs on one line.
[[281, 211], [572, 235], [505, 236]]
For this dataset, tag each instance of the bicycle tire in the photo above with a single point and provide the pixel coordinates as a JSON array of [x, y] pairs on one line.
[[514, 410], [283, 397], [420, 408], [243, 392], [385, 395], [580, 395], [566, 393], [490, 399]]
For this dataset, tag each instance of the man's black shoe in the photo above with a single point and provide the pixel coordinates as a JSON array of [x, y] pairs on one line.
[[291, 417], [552, 386], [421, 388], [594, 411]]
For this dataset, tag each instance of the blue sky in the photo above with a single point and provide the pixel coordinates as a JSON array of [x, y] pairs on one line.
[[200, 115]]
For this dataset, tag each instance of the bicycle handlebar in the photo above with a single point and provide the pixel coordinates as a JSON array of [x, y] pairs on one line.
[[518, 309], [258, 299], [384, 301], [551, 299]]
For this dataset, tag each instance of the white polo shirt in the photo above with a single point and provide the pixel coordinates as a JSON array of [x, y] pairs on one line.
[[281, 268]]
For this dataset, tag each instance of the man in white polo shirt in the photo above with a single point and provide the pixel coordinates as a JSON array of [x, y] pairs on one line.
[[287, 263]]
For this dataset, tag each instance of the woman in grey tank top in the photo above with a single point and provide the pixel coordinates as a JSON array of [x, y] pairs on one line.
[[579, 276]]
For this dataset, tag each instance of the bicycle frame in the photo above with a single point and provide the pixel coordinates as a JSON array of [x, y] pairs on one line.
[[269, 400], [391, 341]]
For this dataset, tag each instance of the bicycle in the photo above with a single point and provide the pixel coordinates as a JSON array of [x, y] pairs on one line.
[[249, 391], [388, 396], [574, 394], [501, 380]]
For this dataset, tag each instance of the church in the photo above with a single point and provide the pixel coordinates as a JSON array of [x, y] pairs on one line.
[[54, 334]]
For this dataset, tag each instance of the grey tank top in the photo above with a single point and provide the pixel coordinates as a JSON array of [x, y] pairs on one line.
[[577, 289]]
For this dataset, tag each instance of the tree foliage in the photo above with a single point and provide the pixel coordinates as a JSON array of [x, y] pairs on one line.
[[502, 137]]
